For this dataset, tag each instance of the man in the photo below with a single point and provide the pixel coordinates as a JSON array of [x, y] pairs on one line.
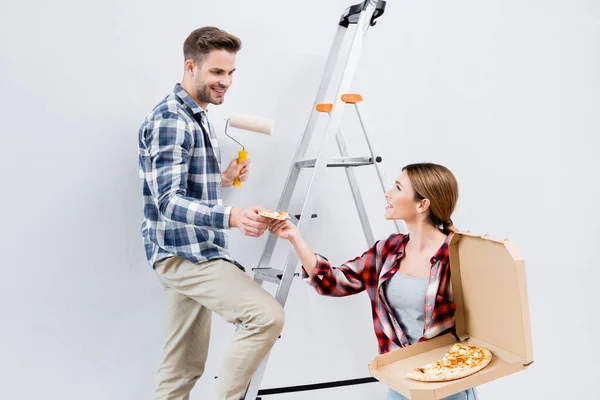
[[184, 229]]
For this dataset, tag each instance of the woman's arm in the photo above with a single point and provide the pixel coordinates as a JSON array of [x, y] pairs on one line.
[[287, 230], [340, 281]]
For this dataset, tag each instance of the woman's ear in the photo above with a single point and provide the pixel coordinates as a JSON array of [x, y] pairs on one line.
[[423, 205]]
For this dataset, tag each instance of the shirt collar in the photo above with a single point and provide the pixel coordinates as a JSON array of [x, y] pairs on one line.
[[443, 253], [187, 99], [400, 244]]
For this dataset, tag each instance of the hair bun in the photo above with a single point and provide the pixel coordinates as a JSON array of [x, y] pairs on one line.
[[448, 226]]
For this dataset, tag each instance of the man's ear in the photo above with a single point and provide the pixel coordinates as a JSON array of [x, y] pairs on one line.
[[189, 67]]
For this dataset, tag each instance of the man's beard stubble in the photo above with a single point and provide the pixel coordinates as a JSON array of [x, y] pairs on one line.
[[203, 93]]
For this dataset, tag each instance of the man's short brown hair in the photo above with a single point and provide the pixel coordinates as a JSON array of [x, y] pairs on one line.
[[203, 40]]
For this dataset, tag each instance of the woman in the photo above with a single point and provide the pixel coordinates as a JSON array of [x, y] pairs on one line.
[[407, 277]]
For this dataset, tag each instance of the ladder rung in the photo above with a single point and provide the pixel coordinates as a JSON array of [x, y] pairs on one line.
[[340, 162], [268, 274], [297, 216]]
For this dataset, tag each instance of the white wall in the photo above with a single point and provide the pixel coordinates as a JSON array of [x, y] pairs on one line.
[[505, 93]]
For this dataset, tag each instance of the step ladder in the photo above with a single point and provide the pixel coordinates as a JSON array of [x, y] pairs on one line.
[[363, 15]]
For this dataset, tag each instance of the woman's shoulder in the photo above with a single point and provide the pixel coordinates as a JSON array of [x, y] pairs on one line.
[[392, 242], [396, 238]]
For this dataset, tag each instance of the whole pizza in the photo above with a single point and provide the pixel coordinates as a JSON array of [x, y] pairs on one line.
[[460, 361]]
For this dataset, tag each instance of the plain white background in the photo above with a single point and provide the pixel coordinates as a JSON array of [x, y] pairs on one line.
[[504, 93]]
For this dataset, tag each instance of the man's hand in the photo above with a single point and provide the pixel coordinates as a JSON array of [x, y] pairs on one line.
[[249, 221], [233, 170]]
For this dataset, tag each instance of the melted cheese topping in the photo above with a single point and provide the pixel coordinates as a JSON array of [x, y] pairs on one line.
[[277, 215], [459, 357]]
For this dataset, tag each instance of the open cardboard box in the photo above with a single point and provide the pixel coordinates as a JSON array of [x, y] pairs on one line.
[[492, 310]]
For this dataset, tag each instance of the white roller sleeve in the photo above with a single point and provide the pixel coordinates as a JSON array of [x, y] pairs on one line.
[[252, 123]]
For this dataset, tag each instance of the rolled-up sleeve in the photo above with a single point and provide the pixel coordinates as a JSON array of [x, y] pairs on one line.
[[345, 280]]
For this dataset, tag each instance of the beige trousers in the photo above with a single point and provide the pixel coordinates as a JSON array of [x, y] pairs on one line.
[[193, 291]]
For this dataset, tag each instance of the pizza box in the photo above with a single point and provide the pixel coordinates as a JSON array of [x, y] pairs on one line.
[[492, 311]]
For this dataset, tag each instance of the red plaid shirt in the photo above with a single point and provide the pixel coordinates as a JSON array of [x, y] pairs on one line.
[[370, 271]]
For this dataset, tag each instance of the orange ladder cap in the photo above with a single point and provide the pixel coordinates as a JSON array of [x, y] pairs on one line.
[[352, 98], [324, 107]]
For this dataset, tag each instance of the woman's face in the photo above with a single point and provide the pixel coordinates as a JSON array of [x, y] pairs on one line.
[[400, 199]]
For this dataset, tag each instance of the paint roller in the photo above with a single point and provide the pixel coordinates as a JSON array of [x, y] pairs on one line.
[[249, 123]]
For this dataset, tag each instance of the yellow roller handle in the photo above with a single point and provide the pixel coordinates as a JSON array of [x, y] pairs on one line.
[[242, 155]]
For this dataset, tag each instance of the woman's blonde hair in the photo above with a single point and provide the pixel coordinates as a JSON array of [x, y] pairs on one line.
[[437, 184]]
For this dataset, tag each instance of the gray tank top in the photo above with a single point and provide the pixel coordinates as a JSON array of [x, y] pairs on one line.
[[406, 296]]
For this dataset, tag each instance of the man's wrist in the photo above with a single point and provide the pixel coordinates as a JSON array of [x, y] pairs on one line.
[[234, 216], [226, 182]]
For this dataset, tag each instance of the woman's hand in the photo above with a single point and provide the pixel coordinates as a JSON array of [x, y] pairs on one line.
[[287, 230], [284, 230]]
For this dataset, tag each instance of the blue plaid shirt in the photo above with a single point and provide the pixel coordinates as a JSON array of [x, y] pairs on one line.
[[179, 163]]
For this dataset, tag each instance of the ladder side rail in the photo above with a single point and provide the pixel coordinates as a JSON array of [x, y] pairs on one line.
[[356, 194], [383, 179]]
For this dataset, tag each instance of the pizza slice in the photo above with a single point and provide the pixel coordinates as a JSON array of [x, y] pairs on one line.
[[461, 360], [281, 215]]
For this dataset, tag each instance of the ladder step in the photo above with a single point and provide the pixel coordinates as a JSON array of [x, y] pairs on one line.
[[340, 162], [268, 274], [298, 216]]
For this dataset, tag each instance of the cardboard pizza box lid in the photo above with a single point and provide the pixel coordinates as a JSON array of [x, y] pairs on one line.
[[492, 310]]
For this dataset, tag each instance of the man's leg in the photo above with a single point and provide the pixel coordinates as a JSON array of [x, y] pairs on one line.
[[187, 337], [223, 288]]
